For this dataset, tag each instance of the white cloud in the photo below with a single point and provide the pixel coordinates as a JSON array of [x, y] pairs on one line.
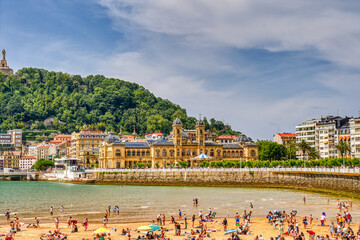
[[183, 57]]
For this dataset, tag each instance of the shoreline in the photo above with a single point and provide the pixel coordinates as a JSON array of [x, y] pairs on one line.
[[222, 185]]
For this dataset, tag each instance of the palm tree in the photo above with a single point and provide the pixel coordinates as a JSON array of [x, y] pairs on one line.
[[291, 145], [343, 148], [313, 154], [304, 147]]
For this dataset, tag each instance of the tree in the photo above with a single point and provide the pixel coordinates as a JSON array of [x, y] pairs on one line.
[[304, 147], [42, 165], [183, 164], [292, 149], [313, 154], [343, 148]]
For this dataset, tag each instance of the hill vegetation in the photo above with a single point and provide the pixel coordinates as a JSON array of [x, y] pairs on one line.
[[37, 99]]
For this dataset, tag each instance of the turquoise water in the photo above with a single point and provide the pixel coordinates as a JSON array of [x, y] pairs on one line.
[[34, 199]]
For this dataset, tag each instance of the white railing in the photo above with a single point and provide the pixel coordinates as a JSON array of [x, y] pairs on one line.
[[275, 169]]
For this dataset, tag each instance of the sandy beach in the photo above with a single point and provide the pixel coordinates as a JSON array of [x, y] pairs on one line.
[[259, 226]]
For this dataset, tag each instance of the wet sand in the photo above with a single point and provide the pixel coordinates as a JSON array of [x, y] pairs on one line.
[[259, 225]]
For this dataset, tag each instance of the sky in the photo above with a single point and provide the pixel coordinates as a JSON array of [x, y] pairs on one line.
[[262, 66]]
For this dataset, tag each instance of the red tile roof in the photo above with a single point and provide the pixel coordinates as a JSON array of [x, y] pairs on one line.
[[28, 157], [287, 134]]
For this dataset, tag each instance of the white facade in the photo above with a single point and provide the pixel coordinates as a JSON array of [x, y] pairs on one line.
[[355, 137], [306, 131], [26, 162]]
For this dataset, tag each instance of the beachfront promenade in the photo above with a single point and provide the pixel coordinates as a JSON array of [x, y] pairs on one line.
[[294, 169]]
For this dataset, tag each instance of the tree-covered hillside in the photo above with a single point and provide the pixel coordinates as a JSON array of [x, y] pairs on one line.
[[36, 99]]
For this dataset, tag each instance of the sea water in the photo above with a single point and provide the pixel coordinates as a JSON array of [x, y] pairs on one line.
[[140, 203]]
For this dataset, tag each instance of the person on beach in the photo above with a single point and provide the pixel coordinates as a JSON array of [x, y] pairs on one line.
[[109, 210], [311, 234], [85, 224], [180, 215], [57, 221], [196, 202], [237, 218], [128, 233], [37, 222], [163, 219], [193, 220], [185, 219], [62, 209], [304, 199], [251, 205], [51, 211], [311, 219], [104, 222], [7, 215], [225, 224], [323, 219], [69, 222]]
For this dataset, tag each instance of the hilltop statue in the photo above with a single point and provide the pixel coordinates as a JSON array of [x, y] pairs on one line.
[[3, 65]]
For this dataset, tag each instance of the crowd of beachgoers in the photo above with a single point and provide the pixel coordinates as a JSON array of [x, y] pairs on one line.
[[206, 224]]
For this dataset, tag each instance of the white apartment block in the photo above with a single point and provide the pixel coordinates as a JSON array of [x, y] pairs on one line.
[[355, 137], [324, 133], [26, 162]]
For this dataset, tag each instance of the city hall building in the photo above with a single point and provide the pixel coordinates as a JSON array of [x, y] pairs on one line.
[[178, 146]]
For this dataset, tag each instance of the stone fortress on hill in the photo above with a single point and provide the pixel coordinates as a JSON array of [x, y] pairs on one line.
[[178, 146], [3, 65]]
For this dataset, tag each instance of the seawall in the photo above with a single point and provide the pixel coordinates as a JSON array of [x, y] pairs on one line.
[[346, 184]]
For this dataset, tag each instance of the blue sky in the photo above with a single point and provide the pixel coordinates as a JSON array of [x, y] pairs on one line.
[[261, 65]]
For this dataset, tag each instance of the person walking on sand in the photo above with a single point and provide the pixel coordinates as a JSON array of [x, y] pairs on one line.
[[225, 223], [69, 222], [85, 224], [163, 219], [51, 211], [193, 220], [180, 216], [62, 209], [304, 198], [57, 223]]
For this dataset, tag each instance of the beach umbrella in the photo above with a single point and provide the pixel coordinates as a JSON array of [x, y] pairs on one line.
[[154, 227], [144, 228], [102, 230], [230, 231]]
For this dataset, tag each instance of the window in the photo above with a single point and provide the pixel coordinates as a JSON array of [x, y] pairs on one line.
[[118, 153]]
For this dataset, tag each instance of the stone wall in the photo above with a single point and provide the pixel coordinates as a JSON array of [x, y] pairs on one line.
[[347, 184]]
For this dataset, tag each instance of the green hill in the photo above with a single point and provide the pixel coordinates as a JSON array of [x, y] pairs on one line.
[[36, 99]]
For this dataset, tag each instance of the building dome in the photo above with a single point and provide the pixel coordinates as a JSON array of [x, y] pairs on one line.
[[200, 122], [111, 137], [177, 122], [242, 138]]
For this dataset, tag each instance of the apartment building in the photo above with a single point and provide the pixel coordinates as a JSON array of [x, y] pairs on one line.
[[355, 137], [13, 138], [10, 159], [86, 139], [325, 133], [284, 138], [26, 162]]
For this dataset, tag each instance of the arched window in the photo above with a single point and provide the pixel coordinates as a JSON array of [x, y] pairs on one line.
[[237, 153], [133, 152], [128, 153], [143, 153], [228, 153], [212, 153], [118, 153], [147, 153], [138, 153], [252, 153], [241, 153], [233, 154], [158, 153], [224, 154], [164, 153]]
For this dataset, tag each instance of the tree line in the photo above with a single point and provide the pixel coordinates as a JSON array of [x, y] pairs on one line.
[[37, 99]]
